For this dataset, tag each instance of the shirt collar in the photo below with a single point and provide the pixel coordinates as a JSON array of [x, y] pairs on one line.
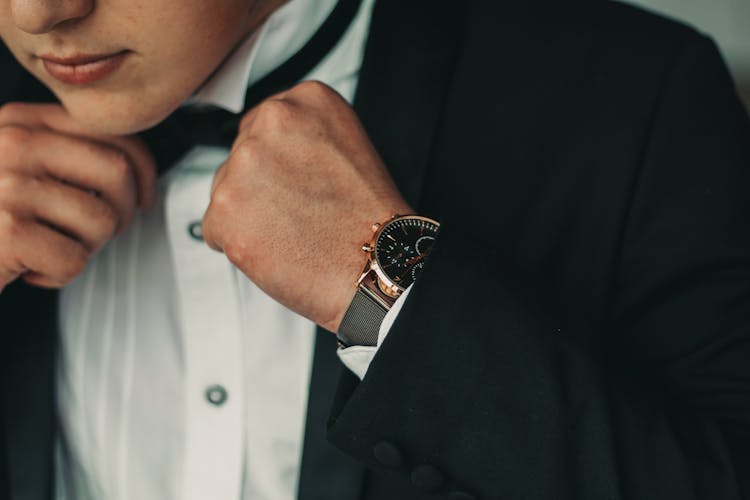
[[284, 33]]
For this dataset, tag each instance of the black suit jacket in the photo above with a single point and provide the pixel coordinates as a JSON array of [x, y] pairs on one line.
[[582, 328]]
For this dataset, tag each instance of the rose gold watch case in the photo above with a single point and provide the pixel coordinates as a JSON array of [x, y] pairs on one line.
[[386, 286]]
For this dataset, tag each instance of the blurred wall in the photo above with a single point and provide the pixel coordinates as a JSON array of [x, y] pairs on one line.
[[726, 21]]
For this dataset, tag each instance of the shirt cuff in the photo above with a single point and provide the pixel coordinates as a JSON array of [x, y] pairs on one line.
[[358, 358]]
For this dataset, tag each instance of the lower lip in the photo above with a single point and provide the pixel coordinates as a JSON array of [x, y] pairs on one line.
[[81, 74]]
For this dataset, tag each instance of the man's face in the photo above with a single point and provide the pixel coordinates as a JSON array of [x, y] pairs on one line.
[[120, 66]]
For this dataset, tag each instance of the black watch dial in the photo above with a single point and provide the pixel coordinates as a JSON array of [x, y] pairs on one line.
[[402, 246]]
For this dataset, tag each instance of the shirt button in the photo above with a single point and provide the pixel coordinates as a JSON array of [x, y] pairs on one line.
[[216, 395], [196, 230]]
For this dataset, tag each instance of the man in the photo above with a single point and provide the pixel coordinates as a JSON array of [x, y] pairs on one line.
[[579, 330]]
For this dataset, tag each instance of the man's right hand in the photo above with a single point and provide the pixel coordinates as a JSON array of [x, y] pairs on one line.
[[64, 193]]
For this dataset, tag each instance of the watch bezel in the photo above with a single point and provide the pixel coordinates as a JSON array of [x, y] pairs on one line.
[[386, 284]]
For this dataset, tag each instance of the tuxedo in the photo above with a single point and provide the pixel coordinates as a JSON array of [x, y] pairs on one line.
[[582, 326]]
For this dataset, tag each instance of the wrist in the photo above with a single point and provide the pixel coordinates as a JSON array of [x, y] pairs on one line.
[[395, 255]]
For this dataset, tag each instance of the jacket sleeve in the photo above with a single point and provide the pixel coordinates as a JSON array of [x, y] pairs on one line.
[[475, 392]]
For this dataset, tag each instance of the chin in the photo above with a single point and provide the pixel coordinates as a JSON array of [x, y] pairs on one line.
[[118, 115]]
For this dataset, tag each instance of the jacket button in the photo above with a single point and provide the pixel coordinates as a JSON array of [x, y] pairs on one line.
[[460, 495], [387, 454], [426, 478]]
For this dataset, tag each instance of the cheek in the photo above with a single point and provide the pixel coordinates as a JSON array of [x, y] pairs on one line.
[[176, 47], [202, 34], [173, 58]]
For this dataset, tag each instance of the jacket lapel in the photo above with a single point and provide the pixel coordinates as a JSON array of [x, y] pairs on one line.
[[27, 385], [403, 83], [408, 63]]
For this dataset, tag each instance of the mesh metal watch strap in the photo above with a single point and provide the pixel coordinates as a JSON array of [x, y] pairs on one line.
[[362, 320]]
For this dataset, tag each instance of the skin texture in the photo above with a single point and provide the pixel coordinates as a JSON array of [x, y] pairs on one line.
[[72, 176], [291, 207], [305, 168], [175, 45], [63, 193]]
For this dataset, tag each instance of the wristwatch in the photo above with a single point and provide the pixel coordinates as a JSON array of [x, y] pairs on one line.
[[396, 255]]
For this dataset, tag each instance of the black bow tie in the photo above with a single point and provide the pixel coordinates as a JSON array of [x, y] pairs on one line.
[[190, 126]]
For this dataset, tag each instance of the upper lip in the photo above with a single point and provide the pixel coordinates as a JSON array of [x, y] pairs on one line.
[[78, 59]]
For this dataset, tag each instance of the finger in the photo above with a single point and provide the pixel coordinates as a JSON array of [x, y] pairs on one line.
[[55, 117], [313, 93], [213, 219], [247, 121], [144, 167], [43, 253], [73, 211], [250, 116], [39, 280], [86, 165], [209, 226], [50, 116], [6, 278], [218, 178], [144, 164]]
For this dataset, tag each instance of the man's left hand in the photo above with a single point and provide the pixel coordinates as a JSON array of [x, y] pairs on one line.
[[297, 198]]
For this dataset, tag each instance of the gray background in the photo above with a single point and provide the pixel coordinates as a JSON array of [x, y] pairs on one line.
[[726, 21]]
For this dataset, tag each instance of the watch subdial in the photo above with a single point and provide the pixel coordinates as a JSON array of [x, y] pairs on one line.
[[424, 245]]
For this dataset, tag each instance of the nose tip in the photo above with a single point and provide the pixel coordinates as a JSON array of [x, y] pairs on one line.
[[41, 16]]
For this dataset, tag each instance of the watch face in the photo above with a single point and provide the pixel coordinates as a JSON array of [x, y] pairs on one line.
[[402, 246]]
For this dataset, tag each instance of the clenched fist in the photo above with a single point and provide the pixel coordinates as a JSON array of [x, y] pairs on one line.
[[296, 199], [63, 193]]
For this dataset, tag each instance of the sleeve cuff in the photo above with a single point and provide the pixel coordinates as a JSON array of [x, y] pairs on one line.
[[358, 358]]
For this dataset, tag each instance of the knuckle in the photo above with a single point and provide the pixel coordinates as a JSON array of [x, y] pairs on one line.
[[13, 137], [312, 88], [212, 233], [222, 199], [274, 114], [207, 228], [246, 120], [244, 153], [237, 252], [106, 220], [12, 111], [11, 226], [11, 184], [120, 166], [11, 233]]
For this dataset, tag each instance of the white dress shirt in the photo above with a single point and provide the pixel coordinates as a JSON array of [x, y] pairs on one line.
[[177, 377]]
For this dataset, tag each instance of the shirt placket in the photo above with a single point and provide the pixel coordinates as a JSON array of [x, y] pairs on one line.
[[211, 340]]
